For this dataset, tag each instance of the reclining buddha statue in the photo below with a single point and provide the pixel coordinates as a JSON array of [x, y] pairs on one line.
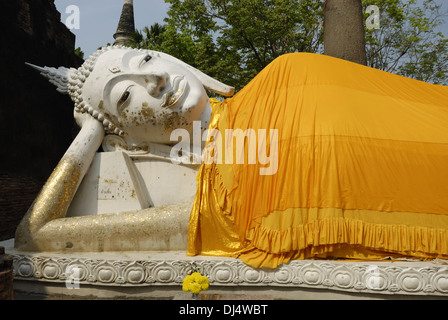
[[322, 158]]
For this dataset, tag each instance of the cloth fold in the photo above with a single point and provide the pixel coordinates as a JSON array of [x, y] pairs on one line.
[[361, 167]]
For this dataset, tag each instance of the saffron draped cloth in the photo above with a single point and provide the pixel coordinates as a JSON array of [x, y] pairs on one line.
[[362, 167]]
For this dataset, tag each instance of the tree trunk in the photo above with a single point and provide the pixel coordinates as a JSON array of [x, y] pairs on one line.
[[344, 35]]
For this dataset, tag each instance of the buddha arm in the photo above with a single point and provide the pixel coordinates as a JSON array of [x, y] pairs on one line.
[[57, 193]]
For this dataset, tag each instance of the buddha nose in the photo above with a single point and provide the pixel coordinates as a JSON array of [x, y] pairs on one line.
[[156, 83]]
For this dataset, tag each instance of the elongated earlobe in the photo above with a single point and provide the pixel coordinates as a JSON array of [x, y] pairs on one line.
[[208, 82]]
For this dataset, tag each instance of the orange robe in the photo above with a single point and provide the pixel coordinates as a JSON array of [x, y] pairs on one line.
[[362, 167]]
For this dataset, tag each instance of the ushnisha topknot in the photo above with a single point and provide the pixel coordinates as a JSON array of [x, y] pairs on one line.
[[71, 81]]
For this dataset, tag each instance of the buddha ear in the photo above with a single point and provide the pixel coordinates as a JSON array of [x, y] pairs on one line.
[[208, 82], [58, 77], [212, 84]]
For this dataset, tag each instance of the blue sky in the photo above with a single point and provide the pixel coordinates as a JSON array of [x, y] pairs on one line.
[[99, 19]]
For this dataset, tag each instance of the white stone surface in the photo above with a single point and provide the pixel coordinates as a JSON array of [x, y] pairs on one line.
[[166, 270], [117, 182]]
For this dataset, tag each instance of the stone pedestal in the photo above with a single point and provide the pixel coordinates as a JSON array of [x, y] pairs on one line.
[[6, 276], [159, 275]]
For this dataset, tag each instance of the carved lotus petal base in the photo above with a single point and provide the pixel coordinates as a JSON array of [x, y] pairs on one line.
[[167, 270]]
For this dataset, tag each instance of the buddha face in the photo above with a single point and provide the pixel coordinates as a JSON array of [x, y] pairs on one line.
[[146, 94], [141, 95]]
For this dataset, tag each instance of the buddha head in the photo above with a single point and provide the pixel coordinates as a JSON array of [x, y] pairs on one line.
[[138, 95]]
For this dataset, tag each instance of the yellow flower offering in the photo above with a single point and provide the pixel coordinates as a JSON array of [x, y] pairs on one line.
[[195, 283]]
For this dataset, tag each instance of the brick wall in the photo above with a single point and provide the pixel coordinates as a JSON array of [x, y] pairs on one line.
[[16, 196], [6, 276], [36, 122]]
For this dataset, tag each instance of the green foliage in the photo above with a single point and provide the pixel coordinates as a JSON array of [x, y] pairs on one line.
[[79, 53], [407, 42], [148, 37], [234, 40]]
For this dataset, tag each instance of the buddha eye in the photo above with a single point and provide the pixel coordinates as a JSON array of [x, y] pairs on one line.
[[122, 102], [147, 58], [124, 97]]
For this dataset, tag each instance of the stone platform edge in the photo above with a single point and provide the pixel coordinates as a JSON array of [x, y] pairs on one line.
[[167, 269]]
